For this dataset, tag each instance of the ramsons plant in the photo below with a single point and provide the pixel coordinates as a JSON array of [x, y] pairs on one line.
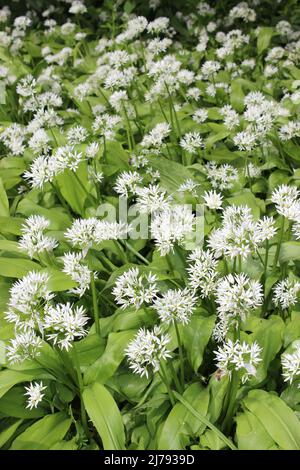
[[150, 225]]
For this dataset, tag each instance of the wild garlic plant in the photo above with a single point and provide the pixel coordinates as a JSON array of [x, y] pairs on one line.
[[150, 225]]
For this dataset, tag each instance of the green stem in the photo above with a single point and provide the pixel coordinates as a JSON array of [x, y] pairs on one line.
[[205, 421], [95, 304], [164, 379], [180, 354], [81, 387], [279, 244], [175, 378], [240, 263], [136, 253], [266, 259], [234, 386]]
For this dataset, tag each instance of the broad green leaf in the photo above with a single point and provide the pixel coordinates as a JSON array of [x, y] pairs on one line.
[[110, 360], [72, 189], [172, 174], [277, 418], [246, 198], [180, 424], [105, 415], [217, 388], [237, 96], [195, 337], [269, 337], [17, 267], [9, 431], [292, 329], [4, 204], [289, 251], [251, 434], [65, 445], [13, 403], [264, 38], [11, 225], [44, 433], [59, 220], [59, 281], [9, 378]]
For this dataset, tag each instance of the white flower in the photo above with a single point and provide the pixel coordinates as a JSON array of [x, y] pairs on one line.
[[85, 232], [175, 305], [35, 395], [27, 299], [245, 140], [105, 125], [291, 365], [213, 200], [222, 176], [77, 7], [210, 68], [39, 142], [40, 172], [128, 182], [188, 186], [81, 233], [76, 135], [66, 157], [151, 199], [236, 296], [134, 289], [64, 323], [290, 130], [79, 272], [191, 142], [23, 346], [239, 357], [92, 150], [231, 116], [171, 226], [156, 136], [243, 11], [200, 115], [285, 293], [239, 234], [147, 350], [202, 272], [286, 201], [33, 240]]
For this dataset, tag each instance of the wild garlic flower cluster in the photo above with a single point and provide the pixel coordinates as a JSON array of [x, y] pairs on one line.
[[236, 357], [133, 289], [236, 295], [285, 293], [287, 202], [202, 270], [35, 317], [45, 168], [78, 271], [34, 394], [28, 297], [170, 226], [33, 240], [239, 234], [64, 323], [175, 306], [221, 177], [291, 365], [148, 349], [84, 233]]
